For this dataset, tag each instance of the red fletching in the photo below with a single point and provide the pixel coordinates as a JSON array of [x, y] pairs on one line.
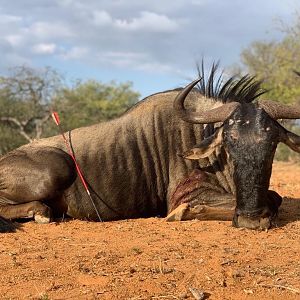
[[55, 118]]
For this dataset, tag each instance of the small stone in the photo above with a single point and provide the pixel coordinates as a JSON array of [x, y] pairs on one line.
[[198, 294], [237, 274], [248, 291]]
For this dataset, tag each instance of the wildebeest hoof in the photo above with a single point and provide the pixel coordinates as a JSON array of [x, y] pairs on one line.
[[41, 219], [43, 216], [258, 224], [178, 213]]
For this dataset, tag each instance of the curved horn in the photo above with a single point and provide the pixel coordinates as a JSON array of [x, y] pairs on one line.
[[278, 110], [219, 114]]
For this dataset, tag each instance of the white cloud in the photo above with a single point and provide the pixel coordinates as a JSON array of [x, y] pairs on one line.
[[140, 61], [14, 39], [6, 18], [148, 21], [101, 17], [44, 48], [46, 30], [149, 36]]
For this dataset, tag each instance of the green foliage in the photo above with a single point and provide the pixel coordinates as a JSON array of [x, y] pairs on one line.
[[9, 139], [24, 98], [28, 95], [92, 101]]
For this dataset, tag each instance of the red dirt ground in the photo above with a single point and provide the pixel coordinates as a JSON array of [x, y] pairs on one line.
[[153, 259]]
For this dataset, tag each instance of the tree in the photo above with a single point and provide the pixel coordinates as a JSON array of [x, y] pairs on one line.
[[275, 61], [92, 101], [25, 97]]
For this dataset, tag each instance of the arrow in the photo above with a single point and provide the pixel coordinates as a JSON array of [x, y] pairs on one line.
[[56, 119]]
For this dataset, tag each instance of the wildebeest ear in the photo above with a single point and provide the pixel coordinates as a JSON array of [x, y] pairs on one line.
[[206, 147], [292, 140]]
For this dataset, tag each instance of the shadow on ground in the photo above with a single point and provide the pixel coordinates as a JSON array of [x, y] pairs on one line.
[[8, 226], [289, 211]]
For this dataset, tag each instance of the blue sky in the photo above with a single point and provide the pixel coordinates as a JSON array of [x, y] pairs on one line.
[[155, 44]]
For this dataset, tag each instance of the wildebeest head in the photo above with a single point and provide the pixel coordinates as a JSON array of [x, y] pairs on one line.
[[249, 133]]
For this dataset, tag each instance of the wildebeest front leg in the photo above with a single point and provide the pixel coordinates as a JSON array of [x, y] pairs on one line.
[[35, 209], [197, 198], [30, 176]]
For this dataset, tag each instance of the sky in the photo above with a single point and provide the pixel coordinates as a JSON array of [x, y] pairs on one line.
[[154, 44]]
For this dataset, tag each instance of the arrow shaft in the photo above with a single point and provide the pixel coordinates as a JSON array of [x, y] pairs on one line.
[[57, 122]]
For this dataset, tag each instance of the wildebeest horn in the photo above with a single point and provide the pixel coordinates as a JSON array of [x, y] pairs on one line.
[[278, 110], [219, 114], [290, 139], [296, 72]]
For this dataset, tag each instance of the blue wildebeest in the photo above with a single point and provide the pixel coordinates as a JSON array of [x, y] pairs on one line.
[[145, 163]]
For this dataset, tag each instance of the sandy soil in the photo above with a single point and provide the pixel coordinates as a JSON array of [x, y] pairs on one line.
[[153, 259]]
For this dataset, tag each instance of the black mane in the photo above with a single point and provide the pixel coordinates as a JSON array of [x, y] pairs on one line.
[[243, 90]]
